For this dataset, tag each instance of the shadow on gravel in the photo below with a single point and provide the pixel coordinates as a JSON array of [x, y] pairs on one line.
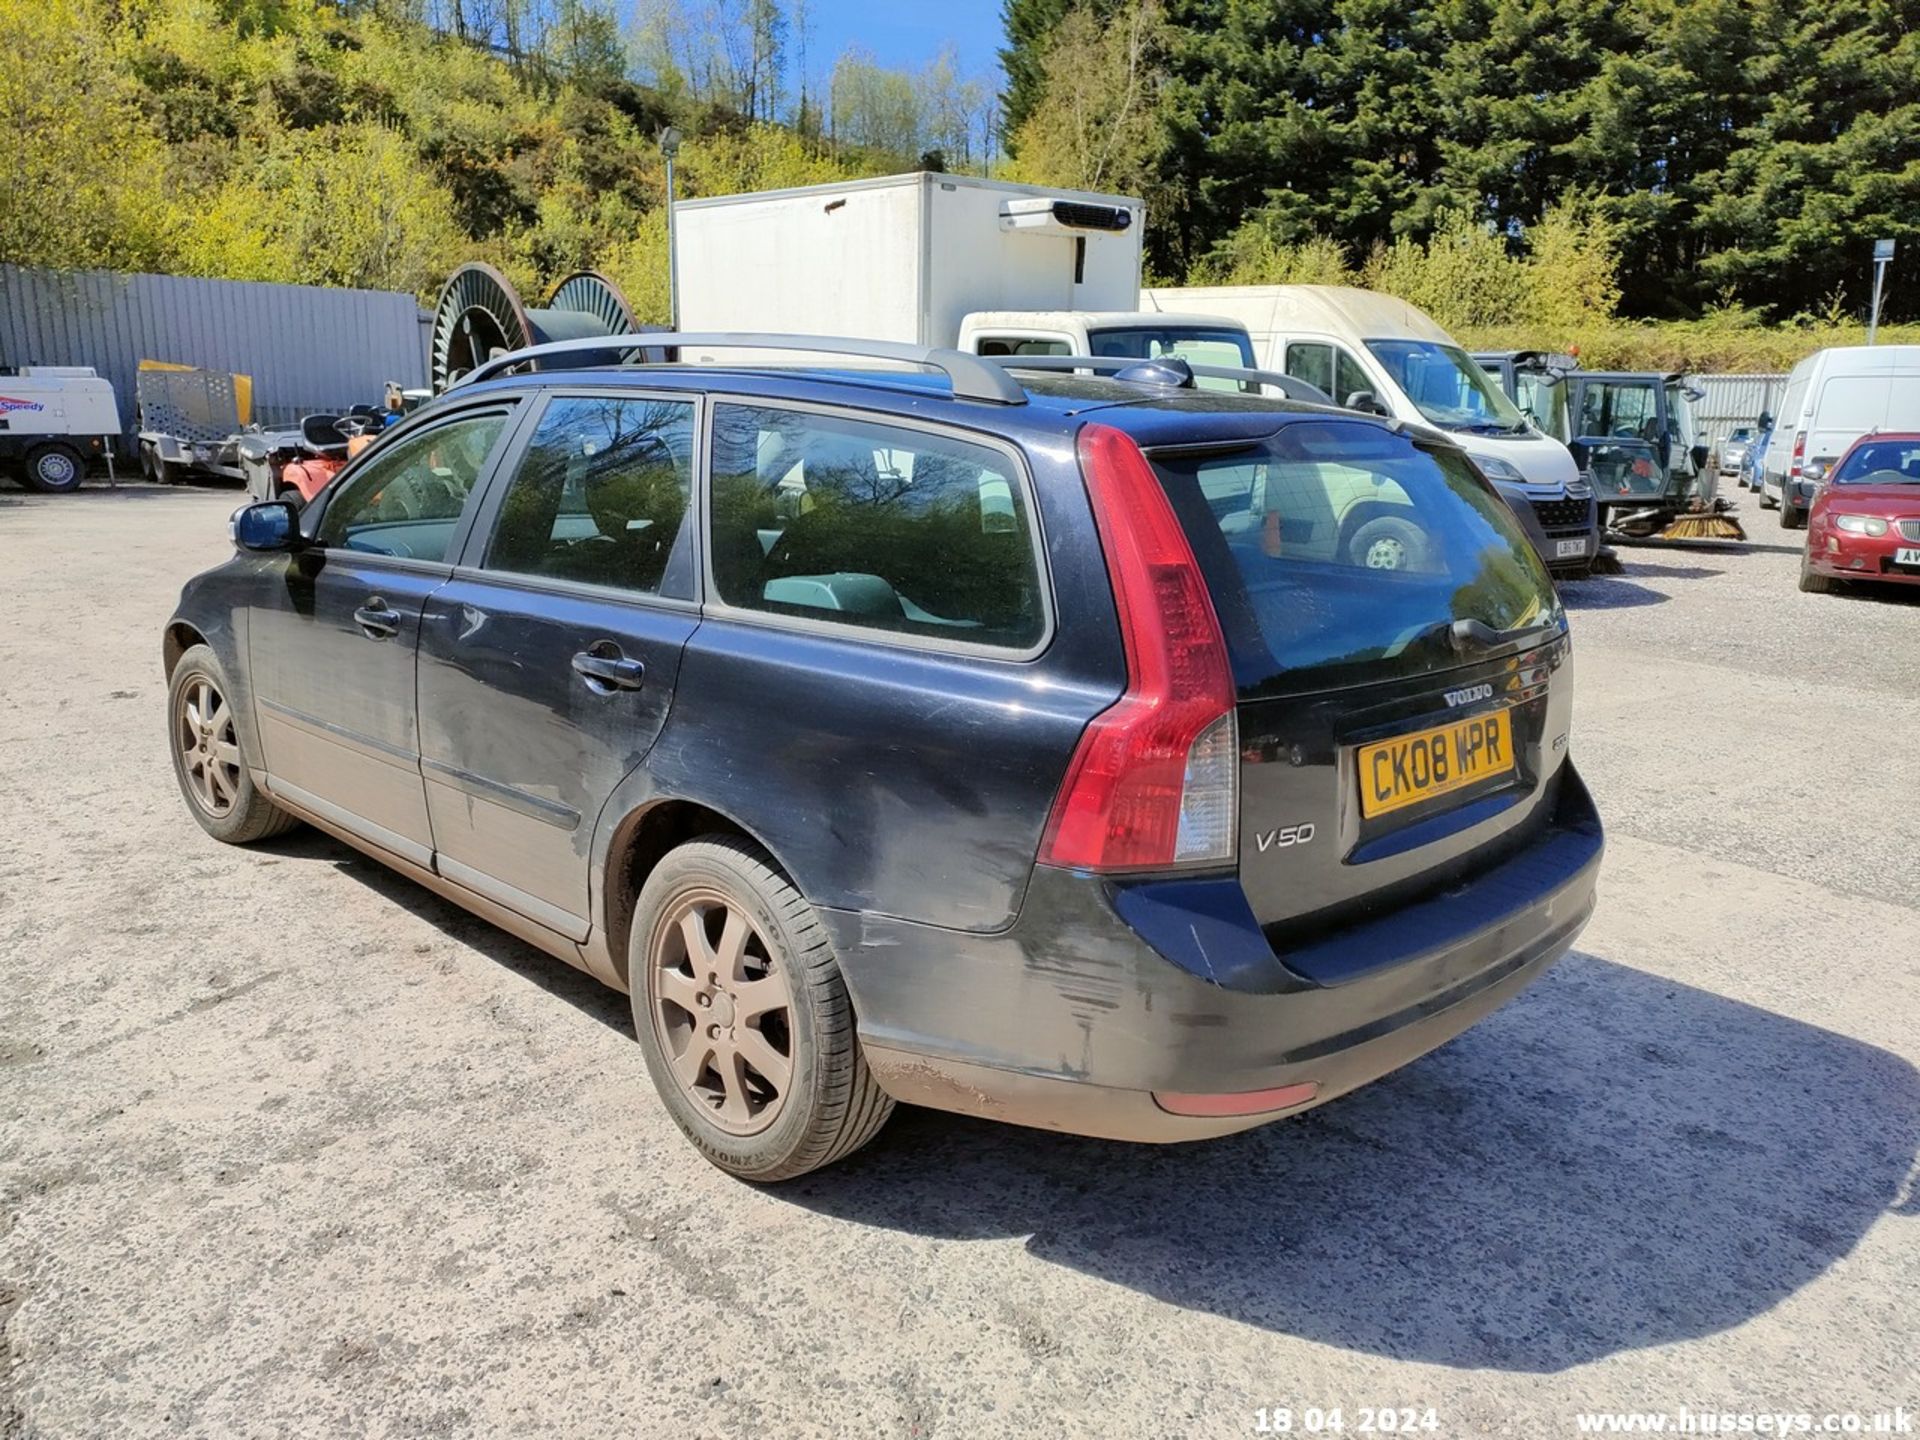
[[1608, 593], [1877, 592], [97, 491], [1614, 1161], [556, 977], [1638, 568]]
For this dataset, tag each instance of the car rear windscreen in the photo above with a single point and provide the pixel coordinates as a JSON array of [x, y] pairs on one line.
[[1340, 552]]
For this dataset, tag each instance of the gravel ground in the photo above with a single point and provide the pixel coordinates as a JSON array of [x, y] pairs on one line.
[[291, 1147]]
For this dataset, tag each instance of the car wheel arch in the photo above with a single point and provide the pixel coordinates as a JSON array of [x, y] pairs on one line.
[[179, 638], [640, 840]]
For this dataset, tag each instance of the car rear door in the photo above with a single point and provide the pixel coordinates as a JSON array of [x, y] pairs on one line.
[[332, 640], [1400, 658], [549, 658], [881, 690]]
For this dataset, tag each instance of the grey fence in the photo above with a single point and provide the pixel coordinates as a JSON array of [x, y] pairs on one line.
[[1733, 401], [307, 349]]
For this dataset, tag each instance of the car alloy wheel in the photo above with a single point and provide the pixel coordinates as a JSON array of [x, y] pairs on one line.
[[209, 748], [723, 1012]]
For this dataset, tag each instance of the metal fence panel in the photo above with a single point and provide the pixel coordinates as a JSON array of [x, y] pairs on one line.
[[309, 350], [1733, 401]]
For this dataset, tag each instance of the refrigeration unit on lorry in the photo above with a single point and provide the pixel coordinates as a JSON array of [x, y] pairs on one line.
[[54, 419], [933, 259]]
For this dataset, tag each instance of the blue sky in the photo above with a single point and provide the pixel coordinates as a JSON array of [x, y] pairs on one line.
[[906, 33]]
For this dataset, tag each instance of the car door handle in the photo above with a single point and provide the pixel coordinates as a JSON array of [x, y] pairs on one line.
[[376, 621], [605, 670]]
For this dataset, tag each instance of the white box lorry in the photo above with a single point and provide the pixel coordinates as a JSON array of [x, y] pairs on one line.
[[55, 420], [933, 259]]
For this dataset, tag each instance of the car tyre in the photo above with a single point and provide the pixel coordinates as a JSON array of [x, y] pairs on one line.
[[291, 496], [208, 759], [1792, 517], [1767, 502], [1388, 543], [744, 1019], [55, 469], [1812, 581]]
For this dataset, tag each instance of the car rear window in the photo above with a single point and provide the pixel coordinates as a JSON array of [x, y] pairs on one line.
[[1340, 553]]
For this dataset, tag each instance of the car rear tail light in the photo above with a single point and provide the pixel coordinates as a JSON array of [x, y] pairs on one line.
[[1799, 453], [1240, 1102], [1154, 780]]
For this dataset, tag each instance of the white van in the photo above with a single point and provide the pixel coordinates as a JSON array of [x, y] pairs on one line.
[[1833, 397], [1360, 345]]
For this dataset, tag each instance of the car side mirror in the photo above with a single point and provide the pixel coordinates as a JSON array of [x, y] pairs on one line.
[[1582, 453], [1363, 400], [1766, 420], [272, 525], [1701, 454]]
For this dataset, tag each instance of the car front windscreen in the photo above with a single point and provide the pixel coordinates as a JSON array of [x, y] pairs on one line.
[[1448, 388], [1881, 462]]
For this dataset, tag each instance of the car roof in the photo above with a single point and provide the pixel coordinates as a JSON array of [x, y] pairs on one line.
[[1056, 402], [1899, 437]]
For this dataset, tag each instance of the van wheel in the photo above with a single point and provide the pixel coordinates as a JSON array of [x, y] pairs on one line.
[[1388, 543], [1767, 502], [55, 469], [1791, 516], [746, 1025], [291, 496], [207, 758]]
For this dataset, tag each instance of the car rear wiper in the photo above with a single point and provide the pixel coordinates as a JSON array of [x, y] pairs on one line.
[[1475, 637]]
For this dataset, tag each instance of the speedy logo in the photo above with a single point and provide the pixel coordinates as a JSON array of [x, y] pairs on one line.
[[8, 404], [1456, 698]]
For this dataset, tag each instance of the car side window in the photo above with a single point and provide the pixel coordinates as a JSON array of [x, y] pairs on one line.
[[1014, 345], [1312, 363], [406, 500], [601, 495], [1348, 377], [872, 525]]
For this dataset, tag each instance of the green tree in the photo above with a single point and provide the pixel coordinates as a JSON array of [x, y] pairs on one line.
[[1028, 25], [81, 180], [1095, 126]]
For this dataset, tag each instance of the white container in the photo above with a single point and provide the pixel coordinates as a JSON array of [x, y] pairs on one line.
[[925, 259], [68, 400]]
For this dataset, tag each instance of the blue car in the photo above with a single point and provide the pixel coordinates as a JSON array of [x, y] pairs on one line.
[[1089, 751]]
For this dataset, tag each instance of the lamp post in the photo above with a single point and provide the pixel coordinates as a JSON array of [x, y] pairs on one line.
[[1882, 257], [670, 147]]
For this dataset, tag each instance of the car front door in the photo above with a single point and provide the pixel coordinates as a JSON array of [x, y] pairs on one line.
[[332, 642], [548, 661]]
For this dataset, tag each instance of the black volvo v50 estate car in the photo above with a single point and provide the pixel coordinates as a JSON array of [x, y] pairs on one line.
[[1091, 751]]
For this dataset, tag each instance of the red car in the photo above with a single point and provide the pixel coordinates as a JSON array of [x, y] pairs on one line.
[[1865, 520]]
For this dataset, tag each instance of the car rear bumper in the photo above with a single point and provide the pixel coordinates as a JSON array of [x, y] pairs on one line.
[[1105, 993]]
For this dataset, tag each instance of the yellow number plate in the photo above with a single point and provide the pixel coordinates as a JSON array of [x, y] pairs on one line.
[[1410, 768]]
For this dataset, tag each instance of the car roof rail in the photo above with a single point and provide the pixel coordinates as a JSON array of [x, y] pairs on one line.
[[1111, 366], [971, 376]]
